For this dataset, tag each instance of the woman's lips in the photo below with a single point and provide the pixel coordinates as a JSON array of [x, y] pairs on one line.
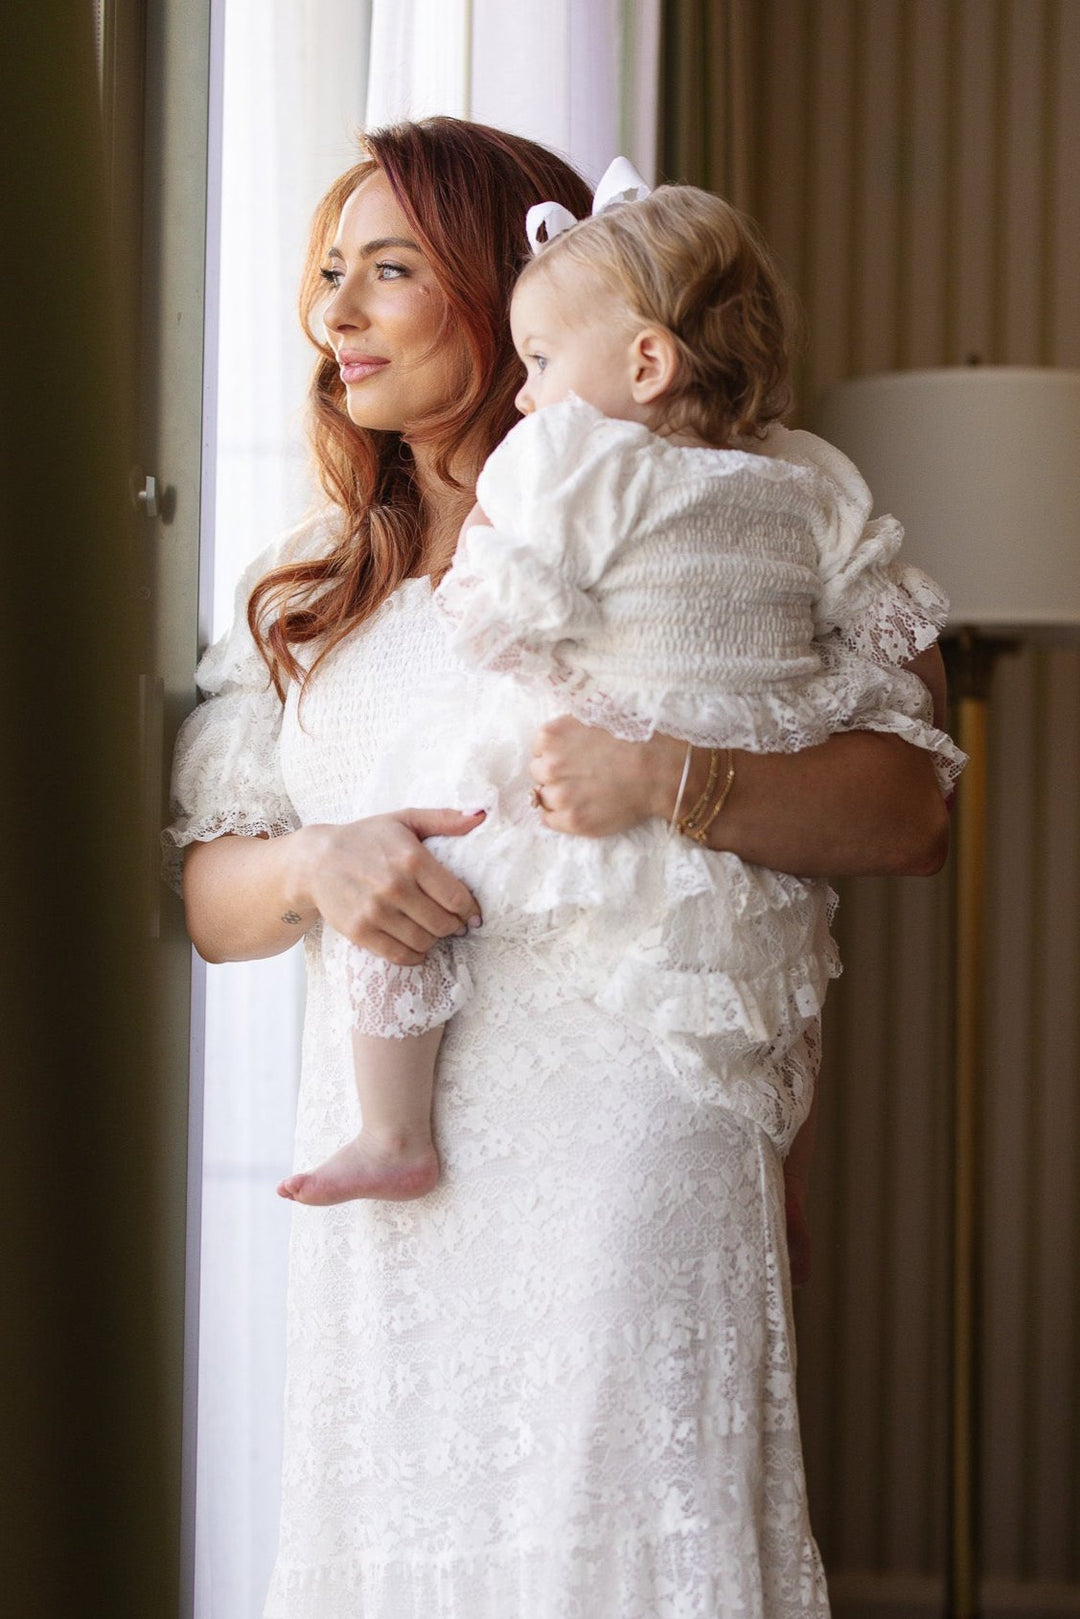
[[355, 367]]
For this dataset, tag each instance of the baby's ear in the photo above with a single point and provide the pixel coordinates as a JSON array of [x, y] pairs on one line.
[[654, 360]]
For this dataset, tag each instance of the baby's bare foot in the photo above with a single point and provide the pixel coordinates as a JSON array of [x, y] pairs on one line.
[[363, 1168]]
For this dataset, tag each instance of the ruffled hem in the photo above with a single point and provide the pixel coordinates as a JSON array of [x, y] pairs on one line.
[[376, 997], [246, 823], [675, 1575], [704, 1003], [520, 868], [856, 696], [669, 937], [900, 617]]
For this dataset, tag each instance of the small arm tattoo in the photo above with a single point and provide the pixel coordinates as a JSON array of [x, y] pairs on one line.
[[292, 917]]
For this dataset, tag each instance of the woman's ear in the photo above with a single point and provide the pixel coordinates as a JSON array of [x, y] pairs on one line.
[[654, 362]]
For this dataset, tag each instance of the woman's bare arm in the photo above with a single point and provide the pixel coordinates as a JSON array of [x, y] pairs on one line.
[[862, 803], [372, 880]]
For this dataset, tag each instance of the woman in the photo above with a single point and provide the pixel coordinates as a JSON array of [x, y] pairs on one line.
[[561, 1386]]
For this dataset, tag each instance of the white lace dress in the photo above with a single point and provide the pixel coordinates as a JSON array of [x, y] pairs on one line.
[[562, 1386]]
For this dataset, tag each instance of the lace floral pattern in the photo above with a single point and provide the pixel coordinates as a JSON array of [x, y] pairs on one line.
[[562, 1386]]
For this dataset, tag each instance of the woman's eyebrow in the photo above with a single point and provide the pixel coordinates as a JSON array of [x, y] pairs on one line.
[[377, 246]]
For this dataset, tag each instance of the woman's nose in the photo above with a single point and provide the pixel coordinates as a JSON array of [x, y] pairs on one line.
[[343, 309]]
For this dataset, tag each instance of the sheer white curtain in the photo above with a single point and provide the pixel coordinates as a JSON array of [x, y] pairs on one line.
[[294, 83], [300, 77], [581, 76]]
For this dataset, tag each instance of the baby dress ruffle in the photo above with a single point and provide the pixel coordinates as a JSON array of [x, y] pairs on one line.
[[376, 997], [883, 609], [736, 958]]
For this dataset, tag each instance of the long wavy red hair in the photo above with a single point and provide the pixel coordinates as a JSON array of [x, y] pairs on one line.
[[465, 190]]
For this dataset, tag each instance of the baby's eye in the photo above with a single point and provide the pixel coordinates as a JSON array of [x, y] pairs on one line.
[[385, 271], [332, 277], [540, 361]]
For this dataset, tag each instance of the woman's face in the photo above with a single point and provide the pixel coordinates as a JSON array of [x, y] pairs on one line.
[[385, 316]]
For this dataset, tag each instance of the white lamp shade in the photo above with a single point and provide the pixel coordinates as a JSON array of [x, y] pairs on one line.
[[981, 464]]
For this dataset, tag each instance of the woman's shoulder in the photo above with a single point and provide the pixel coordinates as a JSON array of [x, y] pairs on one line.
[[233, 656], [313, 537]]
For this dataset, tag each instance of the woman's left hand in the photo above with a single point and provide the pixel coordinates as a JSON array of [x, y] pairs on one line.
[[593, 784]]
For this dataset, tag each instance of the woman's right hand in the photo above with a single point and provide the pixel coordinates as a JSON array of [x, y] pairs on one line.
[[374, 882]]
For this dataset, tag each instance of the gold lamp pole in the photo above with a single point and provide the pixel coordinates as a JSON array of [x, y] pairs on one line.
[[979, 464], [970, 660]]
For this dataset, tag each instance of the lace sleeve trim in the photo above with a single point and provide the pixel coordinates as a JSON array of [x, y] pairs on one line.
[[204, 829], [904, 617]]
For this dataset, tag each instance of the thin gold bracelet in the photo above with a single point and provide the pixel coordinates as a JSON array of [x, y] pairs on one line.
[[692, 817], [698, 828]]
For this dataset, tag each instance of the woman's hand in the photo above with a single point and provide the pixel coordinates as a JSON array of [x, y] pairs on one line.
[[373, 880]]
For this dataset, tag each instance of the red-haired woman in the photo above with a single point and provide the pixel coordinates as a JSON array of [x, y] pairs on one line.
[[562, 1385]]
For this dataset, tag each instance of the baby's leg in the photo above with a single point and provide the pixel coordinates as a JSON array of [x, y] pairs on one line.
[[394, 1155]]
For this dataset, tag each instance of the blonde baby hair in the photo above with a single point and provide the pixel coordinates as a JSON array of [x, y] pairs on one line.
[[686, 260]]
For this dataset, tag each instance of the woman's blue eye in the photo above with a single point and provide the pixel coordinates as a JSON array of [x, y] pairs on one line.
[[541, 361], [384, 271]]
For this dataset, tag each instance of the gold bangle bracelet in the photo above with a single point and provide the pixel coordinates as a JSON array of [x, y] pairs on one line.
[[696, 825], [692, 817]]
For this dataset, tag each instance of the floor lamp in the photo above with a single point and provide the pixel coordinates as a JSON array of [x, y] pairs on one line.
[[982, 466]]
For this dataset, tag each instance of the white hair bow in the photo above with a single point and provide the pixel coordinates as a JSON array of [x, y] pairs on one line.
[[620, 182]]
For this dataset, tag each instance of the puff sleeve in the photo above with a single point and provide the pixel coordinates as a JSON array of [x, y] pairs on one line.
[[226, 769], [877, 606], [560, 492]]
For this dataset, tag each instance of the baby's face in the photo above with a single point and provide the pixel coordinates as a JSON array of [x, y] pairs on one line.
[[574, 341]]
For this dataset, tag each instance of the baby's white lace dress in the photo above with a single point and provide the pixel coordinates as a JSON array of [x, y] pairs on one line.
[[641, 586], [562, 1386]]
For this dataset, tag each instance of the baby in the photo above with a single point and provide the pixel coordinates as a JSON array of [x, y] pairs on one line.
[[650, 552]]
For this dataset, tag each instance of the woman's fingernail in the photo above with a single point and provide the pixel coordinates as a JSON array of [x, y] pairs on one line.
[[459, 933], [471, 813], [475, 921]]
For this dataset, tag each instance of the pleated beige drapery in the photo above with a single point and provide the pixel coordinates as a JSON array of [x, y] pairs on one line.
[[913, 164], [707, 74]]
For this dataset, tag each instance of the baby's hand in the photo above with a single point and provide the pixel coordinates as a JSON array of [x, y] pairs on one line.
[[592, 784]]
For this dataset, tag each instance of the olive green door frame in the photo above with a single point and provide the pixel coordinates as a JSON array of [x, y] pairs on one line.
[[181, 209], [161, 64]]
